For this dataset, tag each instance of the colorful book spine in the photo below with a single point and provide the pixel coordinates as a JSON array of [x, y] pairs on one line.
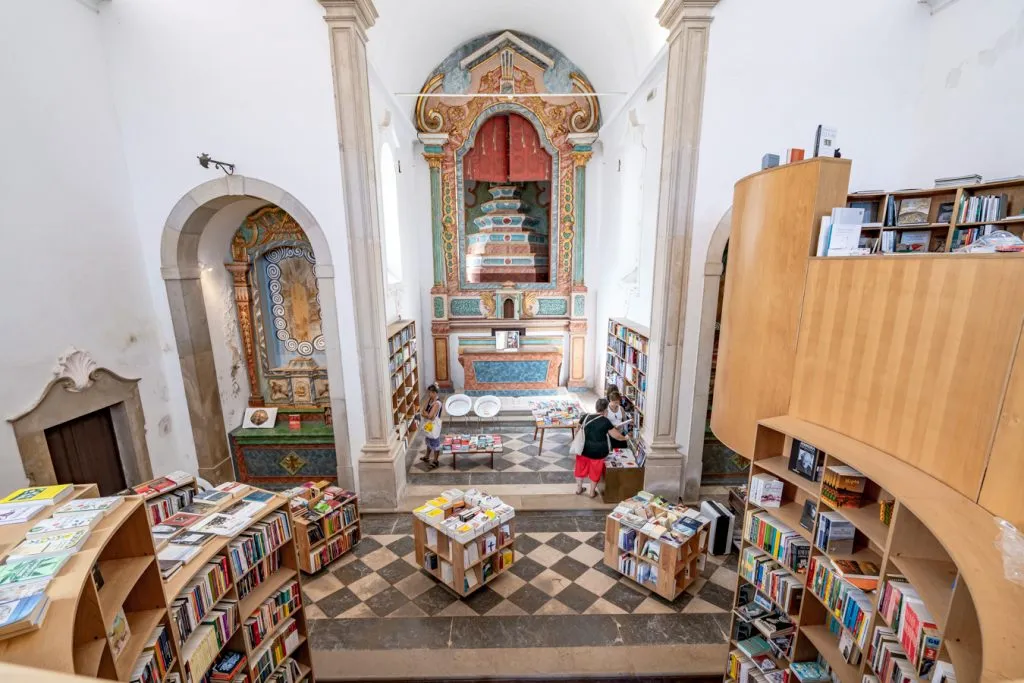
[[200, 595], [272, 612], [778, 540], [258, 541], [850, 606]]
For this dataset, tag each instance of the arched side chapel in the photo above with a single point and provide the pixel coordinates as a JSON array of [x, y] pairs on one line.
[[180, 268]]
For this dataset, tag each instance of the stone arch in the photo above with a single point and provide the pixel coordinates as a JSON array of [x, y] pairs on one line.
[[179, 266], [713, 269]]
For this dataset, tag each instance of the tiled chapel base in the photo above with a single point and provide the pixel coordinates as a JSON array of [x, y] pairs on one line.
[[489, 370], [557, 612]]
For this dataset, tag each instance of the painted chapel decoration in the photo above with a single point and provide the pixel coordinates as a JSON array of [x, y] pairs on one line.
[[507, 187], [278, 304]]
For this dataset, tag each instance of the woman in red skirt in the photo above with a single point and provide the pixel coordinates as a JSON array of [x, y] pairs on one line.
[[590, 464]]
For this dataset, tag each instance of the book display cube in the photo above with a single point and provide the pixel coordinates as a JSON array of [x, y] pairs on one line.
[[327, 523], [663, 547], [464, 539]]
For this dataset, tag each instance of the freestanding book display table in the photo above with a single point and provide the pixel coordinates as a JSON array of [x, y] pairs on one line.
[[661, 546], [464, 540]]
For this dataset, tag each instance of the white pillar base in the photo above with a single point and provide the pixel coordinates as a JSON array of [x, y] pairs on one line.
[[382, 477], [663, 470]]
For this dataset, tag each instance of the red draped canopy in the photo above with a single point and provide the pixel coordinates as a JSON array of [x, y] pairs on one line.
[[507, 149]]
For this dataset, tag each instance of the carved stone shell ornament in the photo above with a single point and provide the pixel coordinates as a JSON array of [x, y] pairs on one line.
[[75, 368]]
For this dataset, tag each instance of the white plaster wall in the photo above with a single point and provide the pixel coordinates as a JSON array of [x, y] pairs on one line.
[[613, 299], [249, 83], [72, 275], [972, 94], [221, 312], [774, 72]]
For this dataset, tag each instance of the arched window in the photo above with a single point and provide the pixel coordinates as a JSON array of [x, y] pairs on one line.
[[392, 231]]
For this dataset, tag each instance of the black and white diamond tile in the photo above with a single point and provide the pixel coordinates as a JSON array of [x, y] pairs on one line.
[[555, 573]]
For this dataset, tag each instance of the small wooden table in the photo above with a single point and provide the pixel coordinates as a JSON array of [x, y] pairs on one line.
[[497, 447], [541, 428]]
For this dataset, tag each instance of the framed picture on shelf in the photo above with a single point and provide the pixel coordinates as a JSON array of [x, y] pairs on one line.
[[805, 460], [259, 418]]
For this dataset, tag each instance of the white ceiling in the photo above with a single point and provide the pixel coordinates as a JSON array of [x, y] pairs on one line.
[[612, 41]]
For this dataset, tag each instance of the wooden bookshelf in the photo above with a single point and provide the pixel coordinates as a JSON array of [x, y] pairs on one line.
[[906, 547], [677, 568], [403, 364], [453, 552], [882, 212], [626, 368], [340, 529], [73, 637]]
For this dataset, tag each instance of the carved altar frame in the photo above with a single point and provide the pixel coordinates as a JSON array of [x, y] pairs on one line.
[[503, 64]]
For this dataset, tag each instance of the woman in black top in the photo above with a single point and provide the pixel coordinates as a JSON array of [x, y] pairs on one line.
[[597, 428]]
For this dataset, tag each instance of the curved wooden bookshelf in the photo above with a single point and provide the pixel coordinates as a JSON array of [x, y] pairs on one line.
[[73, 639], [907, 367]]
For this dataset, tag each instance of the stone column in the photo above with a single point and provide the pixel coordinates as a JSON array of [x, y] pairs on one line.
[[689, 23], [581, 153], [433, 152], [382, 461]]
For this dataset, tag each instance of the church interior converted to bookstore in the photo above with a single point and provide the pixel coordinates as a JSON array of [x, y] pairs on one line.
[[589, 340]]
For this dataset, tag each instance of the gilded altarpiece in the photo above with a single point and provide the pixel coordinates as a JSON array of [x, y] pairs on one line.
[[278, 305], [520, 252]]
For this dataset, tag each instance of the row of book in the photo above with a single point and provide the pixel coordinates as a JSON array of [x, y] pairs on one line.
[[155, 660], [632, 338], [270, 613], [265, 660], [396, 342], [905, 611], [982, 208], [778, 540], [963, 237], [333, 549], [765, 491], [210, 584], [771, 579], [891, 662], [258, 541], [850, 605], [260, 572], [339, 519]]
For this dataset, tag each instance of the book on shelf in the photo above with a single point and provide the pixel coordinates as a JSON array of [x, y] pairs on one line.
[[34, 569], [221, 524], [76, 507], [810, 672], [23, 615], [177, 553], [119, 633], [765, 491], [809, 514], [213, 496], [778, 540], [806, 460], [156, 658], [774, 625], [63, 524], [19, 513], [752, 647], [863, 575], [851, 606], [228, 666], [842, 486], [49, 546], [835, 533], [39, 495], [169, 568], [914, 211], [774, 581], [234, 489]]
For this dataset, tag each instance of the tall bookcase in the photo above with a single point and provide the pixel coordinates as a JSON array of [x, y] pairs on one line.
[[905, 547], [403, 364], [626, 368], [961, 225]]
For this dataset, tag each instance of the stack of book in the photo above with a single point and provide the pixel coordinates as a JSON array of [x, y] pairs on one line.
[[771, 579], [810, 672], [165, 495], [200, 595], [835, 534], [23, 505], [842, 486], [230, 666], [850, 605], [765, 491], [778, 540], [916, 631]]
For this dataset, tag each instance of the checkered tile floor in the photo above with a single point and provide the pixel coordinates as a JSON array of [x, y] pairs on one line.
[[556, 572], [520, 462]]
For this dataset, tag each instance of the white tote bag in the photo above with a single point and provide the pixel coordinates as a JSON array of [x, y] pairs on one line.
[[576, 447]]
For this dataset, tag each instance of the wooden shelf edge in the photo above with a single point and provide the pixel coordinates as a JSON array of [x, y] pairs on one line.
[[828, 647], [142, 625], [87, 657], [119, 578]]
